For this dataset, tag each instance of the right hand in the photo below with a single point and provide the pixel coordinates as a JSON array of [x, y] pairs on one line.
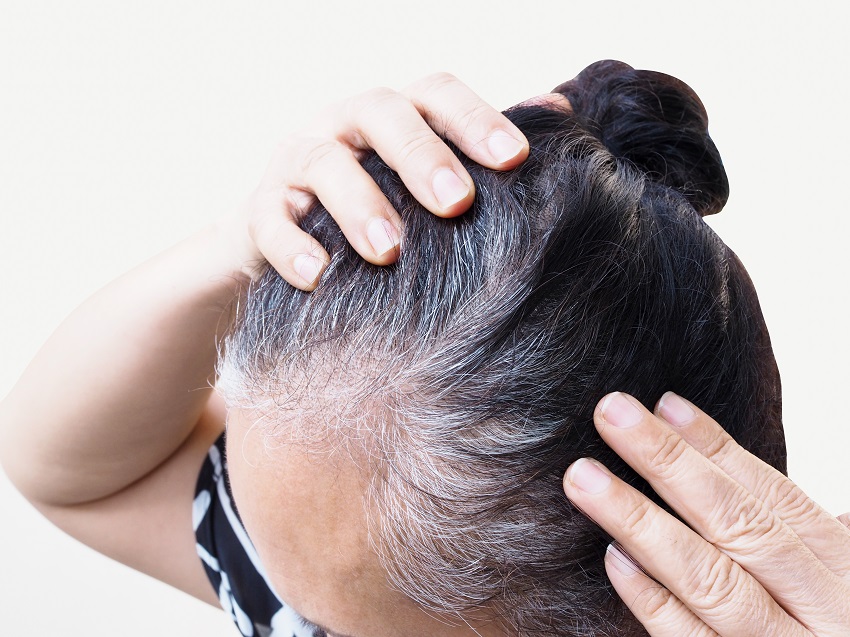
[[322, 162]]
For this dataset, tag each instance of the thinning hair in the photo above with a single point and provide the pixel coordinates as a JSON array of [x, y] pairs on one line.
[[469, 370]]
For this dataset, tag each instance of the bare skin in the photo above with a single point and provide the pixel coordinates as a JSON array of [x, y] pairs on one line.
[[759, 556], [313, 535], [113, 455], [107, 428]]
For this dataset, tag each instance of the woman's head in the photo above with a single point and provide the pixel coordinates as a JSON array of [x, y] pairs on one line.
[[435, 403]]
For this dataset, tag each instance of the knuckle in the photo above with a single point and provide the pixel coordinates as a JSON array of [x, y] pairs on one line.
[[654, 603], [264, 219], [664, 463], [318, 153], [472, 121], [638, 519], [477, 108], [432, 82], [441, 79], [713, 584], [371, 99], [784, 495], [721, 447], [741, 524], [417, 146]]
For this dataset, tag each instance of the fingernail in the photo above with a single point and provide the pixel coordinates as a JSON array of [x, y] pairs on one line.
[[448, 188], [382, 235], [308, 267], [503, 147], [620, 411], [588, 476], [675, 410], [620, 561]]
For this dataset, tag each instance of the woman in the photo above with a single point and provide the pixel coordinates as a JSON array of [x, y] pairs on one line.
[[170, 351]]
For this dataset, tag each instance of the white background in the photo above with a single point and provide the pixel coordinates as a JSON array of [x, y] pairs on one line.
[[125, 126]]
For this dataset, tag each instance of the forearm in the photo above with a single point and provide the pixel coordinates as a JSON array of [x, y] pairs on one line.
[[122, 382]]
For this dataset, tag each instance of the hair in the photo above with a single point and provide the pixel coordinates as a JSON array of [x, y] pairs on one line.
[[469, 370]]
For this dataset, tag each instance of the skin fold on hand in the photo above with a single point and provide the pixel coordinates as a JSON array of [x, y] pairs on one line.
[[758, 557], [321, 162]]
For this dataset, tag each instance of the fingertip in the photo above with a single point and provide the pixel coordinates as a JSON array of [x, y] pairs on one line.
[[587, 475], [506, 149], [453, 190], [384, 237], [308, 269], [566, 481], [618, 409], [675, 410], [296, 256], [619, 562], [599, 411]]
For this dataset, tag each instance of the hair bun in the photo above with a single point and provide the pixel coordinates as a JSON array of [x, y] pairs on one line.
[[656, 122]]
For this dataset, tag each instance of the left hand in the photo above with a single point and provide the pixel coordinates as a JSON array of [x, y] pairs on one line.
[[757, 556], [321, 162]]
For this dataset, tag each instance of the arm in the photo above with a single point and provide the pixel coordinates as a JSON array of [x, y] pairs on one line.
[[122, 382], [107, 428]]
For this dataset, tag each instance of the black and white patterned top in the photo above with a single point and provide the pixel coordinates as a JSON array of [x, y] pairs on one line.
[[231, 562]]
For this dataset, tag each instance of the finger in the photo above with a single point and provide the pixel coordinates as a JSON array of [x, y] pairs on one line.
[[844, 519], [724, 513], [333, 174], [549, 100], [713, 586], [825, 536], [660, 612], [297, 256], [389, 123], [455, 111]]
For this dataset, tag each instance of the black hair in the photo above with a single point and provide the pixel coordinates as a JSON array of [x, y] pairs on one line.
[[586, 270]]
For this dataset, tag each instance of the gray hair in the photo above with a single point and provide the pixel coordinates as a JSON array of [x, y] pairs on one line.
[[464, 377]]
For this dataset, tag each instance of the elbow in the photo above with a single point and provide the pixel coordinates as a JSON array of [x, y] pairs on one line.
[[13, 461], [21, 461]]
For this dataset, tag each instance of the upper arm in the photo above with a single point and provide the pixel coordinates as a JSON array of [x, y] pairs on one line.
[[148, 525]]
